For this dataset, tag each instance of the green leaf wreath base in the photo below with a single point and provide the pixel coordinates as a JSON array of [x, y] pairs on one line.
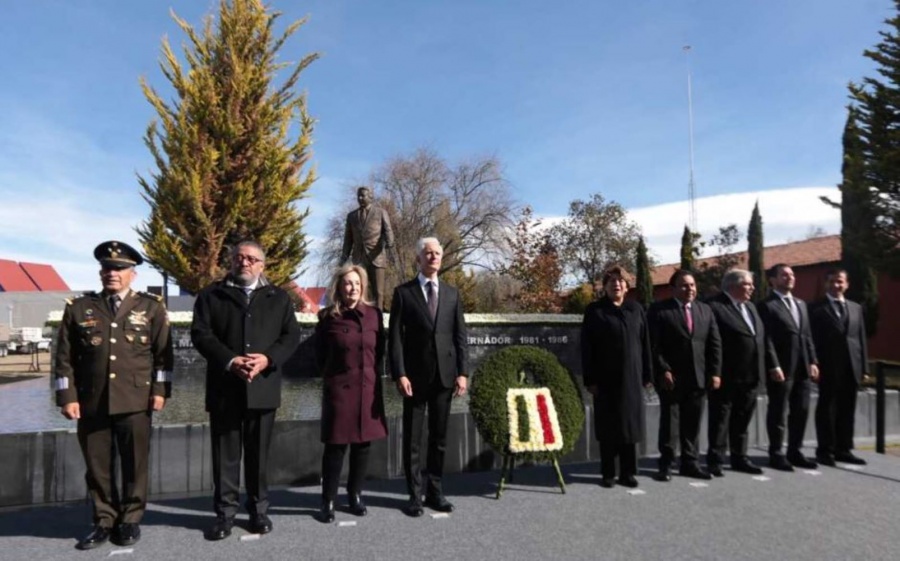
[[500, 372]]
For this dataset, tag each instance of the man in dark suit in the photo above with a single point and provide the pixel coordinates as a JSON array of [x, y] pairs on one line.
[[367, 237], [246, 330], [687, 358], [787, 325], [839, 333], [113, 368], [747, 354], [428, 350]]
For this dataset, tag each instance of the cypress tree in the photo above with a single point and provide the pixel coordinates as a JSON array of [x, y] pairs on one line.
[[229, 166], [643, 278], [877, 121], [857, 217], [755, 253], [688, 249]]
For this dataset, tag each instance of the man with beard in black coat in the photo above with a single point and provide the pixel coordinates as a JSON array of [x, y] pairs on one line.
[[246, 330]]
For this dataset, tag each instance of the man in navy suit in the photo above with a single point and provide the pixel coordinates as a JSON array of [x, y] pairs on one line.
[[839, 333], [787, 326], [428, 353], [687, 359], [747, 354]]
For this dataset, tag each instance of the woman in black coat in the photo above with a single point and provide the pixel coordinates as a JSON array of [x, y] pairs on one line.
[[616, 365], [349, 354]]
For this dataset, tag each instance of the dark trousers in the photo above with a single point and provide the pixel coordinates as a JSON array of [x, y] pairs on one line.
[[436, 399], [626, 452], [788, 399], [234, 432], [104, 440], [730, 411], [679, 422], [836, 413], [333, 461]]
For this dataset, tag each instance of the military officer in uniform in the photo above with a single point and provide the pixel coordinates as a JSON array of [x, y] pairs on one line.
[[113, 369]]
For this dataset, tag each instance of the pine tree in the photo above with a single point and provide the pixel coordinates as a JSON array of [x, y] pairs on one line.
[[228, 167], [856, 220], [877, 105], [643, 278], [755, 251]]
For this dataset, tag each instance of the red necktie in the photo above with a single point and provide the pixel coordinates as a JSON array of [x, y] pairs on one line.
[[688, 319]]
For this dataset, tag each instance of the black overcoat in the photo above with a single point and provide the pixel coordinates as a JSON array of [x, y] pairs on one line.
[[350, 358], [615, 351], [226, 326]]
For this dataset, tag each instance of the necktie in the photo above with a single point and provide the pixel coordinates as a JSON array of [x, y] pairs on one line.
[[747, 319], [114, 303], [845, 317], [792, 307], [688, 319], [248, 292], [432, 299]]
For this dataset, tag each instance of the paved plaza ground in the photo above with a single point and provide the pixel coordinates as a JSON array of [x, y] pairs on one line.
[[830, 513]]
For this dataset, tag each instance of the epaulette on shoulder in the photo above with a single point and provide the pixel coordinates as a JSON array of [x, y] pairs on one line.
[[89, 294], [152, 296]]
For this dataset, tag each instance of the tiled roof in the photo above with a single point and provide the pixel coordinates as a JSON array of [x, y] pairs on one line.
[[14, 279], [44, 277], [826, 249]]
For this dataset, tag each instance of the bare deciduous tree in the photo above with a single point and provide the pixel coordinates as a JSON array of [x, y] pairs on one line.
[[466, 205], [595, 235]]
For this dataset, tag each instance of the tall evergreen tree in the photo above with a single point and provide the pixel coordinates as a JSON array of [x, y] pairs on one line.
[[856, 220], [643, 278], [877, 102], [228, 165], [755, 257], [689, 249]]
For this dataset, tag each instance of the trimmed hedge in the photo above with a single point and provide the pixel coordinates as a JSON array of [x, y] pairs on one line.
[[500, 372]]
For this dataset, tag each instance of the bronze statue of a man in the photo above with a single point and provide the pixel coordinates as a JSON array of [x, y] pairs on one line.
[[367, 237]]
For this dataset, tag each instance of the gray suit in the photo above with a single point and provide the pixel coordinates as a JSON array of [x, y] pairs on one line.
[[365, 243]]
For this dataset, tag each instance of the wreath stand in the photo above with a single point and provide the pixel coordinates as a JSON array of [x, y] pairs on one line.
[[506, 473]]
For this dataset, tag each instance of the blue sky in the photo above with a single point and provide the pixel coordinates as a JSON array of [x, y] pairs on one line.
[[573, 97]]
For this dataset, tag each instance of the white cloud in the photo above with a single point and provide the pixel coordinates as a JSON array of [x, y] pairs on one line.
[[788, 214]]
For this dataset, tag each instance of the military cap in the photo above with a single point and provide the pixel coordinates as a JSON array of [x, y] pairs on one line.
[[117, 255]]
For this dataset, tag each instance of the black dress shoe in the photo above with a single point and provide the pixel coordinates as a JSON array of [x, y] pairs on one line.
[[220, 529], [126, 534], [260, 524], [798, 460], [326, 513], [628, 481], [439, 503], [694, 471], [357, 506], [849, 458], [98, 536], [744, 465], [715, 470], [664, 474], [780, 463], [413, 508], [608, 482], [826, 460]]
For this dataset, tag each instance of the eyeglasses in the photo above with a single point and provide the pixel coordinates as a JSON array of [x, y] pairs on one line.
[[248, 258]]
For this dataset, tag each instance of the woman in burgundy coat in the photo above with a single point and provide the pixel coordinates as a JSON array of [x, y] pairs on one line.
[[349, 354]]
